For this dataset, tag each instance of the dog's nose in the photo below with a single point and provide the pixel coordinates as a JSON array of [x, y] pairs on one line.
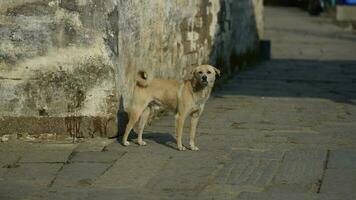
[[204, 78]]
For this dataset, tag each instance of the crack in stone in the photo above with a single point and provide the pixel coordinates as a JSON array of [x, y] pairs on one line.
[[55, 176], [216, 171], [60, 169], [110, 166], [325, 167]]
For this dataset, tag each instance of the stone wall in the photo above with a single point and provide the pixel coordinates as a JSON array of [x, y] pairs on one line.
[[64, 64]]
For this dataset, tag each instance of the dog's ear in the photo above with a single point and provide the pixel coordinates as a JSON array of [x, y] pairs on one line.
[[217, 71]]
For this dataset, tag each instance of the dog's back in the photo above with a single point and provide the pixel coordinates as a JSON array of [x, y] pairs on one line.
[[164, 91]]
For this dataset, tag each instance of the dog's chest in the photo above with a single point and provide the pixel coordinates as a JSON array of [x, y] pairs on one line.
[[201, 98], [199, 102]]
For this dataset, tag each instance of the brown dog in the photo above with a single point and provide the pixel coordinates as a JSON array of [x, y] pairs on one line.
[[184, 98]]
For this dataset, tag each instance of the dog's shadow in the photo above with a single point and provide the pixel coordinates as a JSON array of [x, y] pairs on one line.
[[164, 139]]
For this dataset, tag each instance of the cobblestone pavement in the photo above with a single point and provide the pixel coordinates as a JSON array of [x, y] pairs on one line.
[[282, 130]]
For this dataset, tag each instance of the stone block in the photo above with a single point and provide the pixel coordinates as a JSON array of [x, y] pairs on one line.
[[342, 159], [8, 160], [43, 156], [282, 196], [80, 174], [341, 182], [127, 193], [256, 154], [249, 170], [94, 145], [345, 13], [186, 171], [96, 157], [132, 170], [301, 168], [249, 173], [37, 174], [14, 190]]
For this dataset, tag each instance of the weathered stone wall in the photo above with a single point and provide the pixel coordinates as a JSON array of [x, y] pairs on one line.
[[64, 64]]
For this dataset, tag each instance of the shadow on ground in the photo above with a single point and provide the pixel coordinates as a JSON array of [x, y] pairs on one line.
[[334, 80], [164, 139]]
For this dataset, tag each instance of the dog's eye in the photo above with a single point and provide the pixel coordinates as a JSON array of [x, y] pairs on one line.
[[209, 72], [200, 72]]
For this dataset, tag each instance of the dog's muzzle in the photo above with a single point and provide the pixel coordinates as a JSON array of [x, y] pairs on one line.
[[204, 80]]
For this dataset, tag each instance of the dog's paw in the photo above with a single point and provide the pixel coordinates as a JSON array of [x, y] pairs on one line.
[[181, 148], [142, 143], [126, 143], [193, 148]]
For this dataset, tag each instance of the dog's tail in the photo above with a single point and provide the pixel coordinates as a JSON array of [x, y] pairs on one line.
[[142, 79]]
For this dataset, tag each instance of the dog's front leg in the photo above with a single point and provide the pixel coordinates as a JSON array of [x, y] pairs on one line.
[[192, 130], [179, 130]]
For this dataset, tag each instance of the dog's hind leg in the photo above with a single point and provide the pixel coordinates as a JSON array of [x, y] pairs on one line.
[[141, 125], [134, 115]]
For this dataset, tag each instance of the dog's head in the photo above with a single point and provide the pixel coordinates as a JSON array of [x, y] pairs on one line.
[[204, 75]]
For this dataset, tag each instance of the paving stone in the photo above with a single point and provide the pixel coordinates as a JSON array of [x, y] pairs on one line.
[[94, 144], [8, 160], [132, 170], [220, 192], [282, 196], [306, 138], [303, 167], [101, 157], [54, 156], [338, 130], [253, 138], [249, 170], [339, 181], [187, 171], [257, 154], [59, 194], [49, 146], [37, 174], [126, 193], [80, 174], [248, 173], [2, 173], [14, 190], [342, 159]]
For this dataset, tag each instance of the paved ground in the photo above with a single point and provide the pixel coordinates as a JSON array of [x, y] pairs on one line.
[[283, 130]]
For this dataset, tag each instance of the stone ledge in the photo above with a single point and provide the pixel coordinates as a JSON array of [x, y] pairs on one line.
[[83, 126]]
